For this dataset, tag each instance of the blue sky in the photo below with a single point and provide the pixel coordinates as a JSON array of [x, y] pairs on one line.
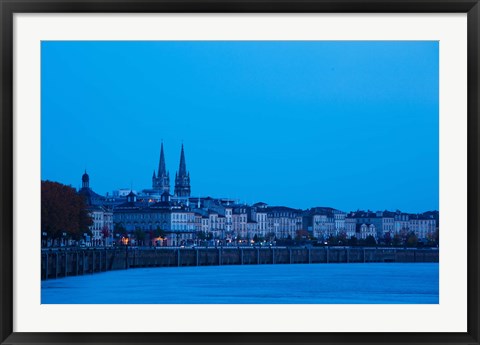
[[351, 125]]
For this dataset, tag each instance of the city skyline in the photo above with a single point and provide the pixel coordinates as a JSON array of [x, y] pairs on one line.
[[287, 123]]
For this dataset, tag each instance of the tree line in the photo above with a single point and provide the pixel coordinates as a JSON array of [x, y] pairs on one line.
[[63, 210]]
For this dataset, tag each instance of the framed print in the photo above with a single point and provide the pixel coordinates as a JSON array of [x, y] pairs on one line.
[[304, 156]]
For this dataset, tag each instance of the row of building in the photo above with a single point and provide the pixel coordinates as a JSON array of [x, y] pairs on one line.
[[183, 218]]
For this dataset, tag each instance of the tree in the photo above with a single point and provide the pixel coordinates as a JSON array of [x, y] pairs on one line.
[[370, 241], [412, 240], [332, 240], [258, 239], [301, 235], [105, 233], [432, 238], [342, 238], [158, 232], [139, 235], [156, 235], [271, 237], [311, 237], [119, 229], [63, 210], [404, 235], [397, 240], [388, 238], [352, 241]]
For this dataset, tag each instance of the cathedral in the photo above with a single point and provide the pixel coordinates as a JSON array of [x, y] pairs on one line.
[[161, 180]]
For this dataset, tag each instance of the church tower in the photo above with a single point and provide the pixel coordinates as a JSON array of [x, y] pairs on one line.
[[182, 178], [85, 180], [161, 182]]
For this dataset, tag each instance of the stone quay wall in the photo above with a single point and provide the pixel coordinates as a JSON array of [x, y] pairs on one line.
[[66, 262]]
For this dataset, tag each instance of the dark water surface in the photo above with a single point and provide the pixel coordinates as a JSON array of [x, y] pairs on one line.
[[370, 283]]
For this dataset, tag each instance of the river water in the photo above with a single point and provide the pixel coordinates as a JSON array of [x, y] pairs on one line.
[[370, 283]]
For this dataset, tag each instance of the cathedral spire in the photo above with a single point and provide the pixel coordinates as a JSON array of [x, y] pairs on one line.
[[182, 178], [162, 171], [162, 181], [182, 170]]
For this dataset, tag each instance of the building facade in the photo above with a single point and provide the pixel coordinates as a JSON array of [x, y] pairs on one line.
[[182, 218], [100, 213]]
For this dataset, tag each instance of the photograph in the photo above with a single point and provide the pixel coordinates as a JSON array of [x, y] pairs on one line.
[[239, 172]]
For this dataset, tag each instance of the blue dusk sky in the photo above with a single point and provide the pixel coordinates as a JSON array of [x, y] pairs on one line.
[[350, 125]]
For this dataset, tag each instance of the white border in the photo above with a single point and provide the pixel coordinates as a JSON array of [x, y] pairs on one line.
[[449, 316]]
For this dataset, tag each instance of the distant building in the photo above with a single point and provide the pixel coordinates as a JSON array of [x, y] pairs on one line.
[[364, 230], [383, 221], [185, 219], [423, 226], [259, 214], [283, 221], [102, 227], [324, 222], [398, 223], [176, 219], [122, 192], [402, 223], [350, 227], [239, 221], [101, 214], [91, 198]]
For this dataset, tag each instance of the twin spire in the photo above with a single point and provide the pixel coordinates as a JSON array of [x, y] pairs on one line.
[[182, 178], [161, 165], [161, 181], [182, 170]]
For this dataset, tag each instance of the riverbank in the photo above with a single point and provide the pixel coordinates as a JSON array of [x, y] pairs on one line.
[[56, 263]]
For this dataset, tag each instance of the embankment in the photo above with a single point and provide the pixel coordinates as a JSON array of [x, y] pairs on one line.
[[58, 263]]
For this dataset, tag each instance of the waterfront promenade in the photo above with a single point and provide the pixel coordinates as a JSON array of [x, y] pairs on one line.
[[64, 262]]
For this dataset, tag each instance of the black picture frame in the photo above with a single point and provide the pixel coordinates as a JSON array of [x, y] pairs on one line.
[[8, 8]]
